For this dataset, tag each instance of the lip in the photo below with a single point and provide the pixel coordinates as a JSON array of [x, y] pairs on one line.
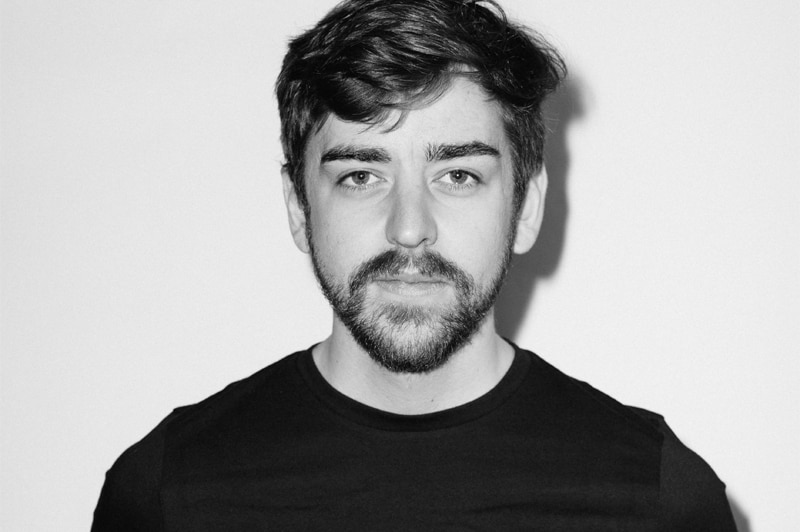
[[410, 278], [411, 285]]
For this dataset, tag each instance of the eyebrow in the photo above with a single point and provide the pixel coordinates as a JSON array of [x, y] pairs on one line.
[[437, 152], [354, 153], [445, 152]]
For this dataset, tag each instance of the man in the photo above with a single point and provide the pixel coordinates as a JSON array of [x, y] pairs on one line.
[[413, 142]]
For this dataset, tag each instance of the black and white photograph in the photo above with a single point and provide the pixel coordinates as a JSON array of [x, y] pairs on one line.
[[400, 265]]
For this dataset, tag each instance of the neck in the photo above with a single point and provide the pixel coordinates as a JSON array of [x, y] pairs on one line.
[[470, 372]]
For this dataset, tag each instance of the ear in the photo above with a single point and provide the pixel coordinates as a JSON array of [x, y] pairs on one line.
[[297, 216], [530, 218]]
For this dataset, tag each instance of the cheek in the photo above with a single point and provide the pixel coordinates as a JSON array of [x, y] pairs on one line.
[[341, 240], [477, 238]]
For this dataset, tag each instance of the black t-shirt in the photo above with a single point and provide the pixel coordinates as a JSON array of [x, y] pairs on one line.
[[283, 450]]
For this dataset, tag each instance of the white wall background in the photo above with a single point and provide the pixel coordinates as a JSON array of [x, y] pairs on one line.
[[146, 260]]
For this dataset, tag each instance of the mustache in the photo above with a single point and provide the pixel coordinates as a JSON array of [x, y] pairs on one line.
[[394, 262]]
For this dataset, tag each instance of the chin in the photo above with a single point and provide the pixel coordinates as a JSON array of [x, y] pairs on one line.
[[409, 339]]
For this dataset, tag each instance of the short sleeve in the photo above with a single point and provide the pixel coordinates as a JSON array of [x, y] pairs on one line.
[[129, 500], [692, 496]]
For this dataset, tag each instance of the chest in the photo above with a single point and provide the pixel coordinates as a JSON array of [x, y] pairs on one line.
[[447, 480]]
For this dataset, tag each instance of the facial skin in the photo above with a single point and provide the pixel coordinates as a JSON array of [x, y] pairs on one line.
[[410, 227]]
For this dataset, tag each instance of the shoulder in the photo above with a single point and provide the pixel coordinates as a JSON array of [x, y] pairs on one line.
[[578, 404], [692, 495], [268, 386], [129, 499]]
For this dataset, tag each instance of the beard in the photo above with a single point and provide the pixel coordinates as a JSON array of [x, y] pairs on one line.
[[404, 337]]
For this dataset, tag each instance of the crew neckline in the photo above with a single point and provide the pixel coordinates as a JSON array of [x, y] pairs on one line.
[[368, 416]]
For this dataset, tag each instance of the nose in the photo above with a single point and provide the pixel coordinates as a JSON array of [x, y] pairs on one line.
[[411, 223]]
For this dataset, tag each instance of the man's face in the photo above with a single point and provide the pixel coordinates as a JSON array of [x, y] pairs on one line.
[[410, 227]]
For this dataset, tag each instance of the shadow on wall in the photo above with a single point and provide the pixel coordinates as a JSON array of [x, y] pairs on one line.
[[742, 523], [564, 107], [560, 110]]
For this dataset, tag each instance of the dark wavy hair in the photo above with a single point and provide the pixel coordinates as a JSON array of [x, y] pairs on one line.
[[367, 58]]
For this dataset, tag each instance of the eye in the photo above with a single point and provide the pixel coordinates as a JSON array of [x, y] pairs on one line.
[[459, 179], [359, 179]]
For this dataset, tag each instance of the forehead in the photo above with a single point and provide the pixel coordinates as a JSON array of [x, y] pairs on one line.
[[463, 114]]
